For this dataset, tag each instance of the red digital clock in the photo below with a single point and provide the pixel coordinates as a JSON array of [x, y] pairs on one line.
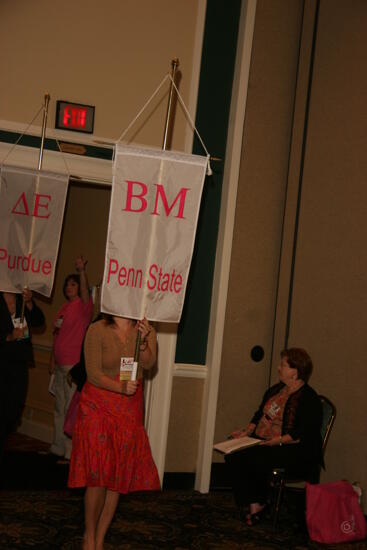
[[74, 116]]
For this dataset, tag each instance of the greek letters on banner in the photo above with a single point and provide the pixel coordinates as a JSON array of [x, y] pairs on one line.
[[31, 213], [153, 215]]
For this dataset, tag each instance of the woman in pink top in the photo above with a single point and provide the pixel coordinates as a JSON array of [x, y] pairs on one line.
[[70, 325]]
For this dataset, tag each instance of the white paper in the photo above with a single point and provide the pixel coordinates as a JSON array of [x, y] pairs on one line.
[[51, 385], [236, 444]]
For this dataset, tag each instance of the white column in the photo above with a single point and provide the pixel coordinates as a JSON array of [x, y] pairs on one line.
[[224, 247]]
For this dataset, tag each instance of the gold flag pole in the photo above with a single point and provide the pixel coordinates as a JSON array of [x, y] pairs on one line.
[[44, 123], [40, 159]]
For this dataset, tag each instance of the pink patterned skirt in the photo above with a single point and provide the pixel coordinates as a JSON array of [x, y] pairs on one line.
[[110, 446]]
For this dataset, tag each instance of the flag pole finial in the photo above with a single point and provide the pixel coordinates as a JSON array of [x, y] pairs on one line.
[[174, 64]]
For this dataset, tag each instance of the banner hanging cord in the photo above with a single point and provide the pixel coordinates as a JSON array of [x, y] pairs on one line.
[[63, 157], [20, 137], [143, 108], [193, 127]]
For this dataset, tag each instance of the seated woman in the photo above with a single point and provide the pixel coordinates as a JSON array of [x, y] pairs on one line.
[[288, 421]]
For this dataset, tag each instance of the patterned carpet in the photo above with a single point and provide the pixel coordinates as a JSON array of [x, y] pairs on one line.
[[46, 520], [54, 519], [38, 512]]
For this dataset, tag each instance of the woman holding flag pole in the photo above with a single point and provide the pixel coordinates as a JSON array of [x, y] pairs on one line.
[[111, 452]]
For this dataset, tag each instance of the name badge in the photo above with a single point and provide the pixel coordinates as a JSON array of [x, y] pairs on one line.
[[273, 410], [128, 368]]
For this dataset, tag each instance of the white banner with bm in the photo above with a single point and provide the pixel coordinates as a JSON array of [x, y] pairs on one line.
[[154, 210]]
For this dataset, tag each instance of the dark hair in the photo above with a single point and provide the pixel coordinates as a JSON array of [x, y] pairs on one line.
[[72, 277], [299, 359], [109, 320]]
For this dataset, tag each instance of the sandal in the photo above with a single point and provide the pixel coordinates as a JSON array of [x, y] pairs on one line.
[[256, 517]]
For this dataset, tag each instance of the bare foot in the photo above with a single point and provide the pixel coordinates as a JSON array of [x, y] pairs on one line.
[[256, 513], [88, 544], [256, 507]]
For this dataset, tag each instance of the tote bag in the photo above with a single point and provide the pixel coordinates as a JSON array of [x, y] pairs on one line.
[[71, 413], [333, 513]]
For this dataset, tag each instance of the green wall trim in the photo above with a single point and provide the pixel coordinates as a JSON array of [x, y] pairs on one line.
[[214, 99]]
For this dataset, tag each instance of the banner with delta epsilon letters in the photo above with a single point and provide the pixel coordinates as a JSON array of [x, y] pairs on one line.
[[31, 214], [154, 209]]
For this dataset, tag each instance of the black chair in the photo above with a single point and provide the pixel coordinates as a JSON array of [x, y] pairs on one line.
[[280, 480]]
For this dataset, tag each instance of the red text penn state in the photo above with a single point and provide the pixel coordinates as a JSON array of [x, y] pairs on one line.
[[136, 201], [40, 207]]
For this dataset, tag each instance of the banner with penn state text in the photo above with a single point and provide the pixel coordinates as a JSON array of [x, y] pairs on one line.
[[32, 206], [154, 209]]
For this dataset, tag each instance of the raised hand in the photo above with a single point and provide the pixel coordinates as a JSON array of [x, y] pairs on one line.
[[80, 263]]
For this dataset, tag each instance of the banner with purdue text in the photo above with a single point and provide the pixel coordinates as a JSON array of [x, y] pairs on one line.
[[31, 213], [154, 209]]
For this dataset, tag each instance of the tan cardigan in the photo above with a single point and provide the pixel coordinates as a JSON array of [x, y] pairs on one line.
[[103, 351]]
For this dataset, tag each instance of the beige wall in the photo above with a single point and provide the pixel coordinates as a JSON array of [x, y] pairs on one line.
[[110, 54], [259, 213], [183, 432], [329, 306]]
